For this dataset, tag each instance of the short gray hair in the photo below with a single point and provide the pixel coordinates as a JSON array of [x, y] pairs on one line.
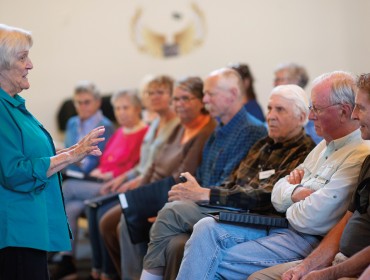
[[297, 95], [132, 95], [12, 41], [87, 86], [343, 87], [296, 72]]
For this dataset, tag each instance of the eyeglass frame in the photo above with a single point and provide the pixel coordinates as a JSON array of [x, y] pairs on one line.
[[86, 102], [317, 111], [184, 99]]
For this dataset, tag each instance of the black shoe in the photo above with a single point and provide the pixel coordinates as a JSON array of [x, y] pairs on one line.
[[64, 270]]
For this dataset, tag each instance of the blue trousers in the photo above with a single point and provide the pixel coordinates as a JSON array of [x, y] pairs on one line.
[[224, 251]]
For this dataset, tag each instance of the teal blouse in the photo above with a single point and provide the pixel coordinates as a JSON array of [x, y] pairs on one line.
[[32, 211]]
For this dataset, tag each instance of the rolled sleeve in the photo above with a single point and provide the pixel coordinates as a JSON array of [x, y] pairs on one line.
[[40, 167], [281, 196], [319, 212]]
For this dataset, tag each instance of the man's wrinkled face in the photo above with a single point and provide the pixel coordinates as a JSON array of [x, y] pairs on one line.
[[217, 98], [283, 121], [326, 116]]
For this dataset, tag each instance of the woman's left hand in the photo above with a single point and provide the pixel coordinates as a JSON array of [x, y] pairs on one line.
[[89, 144]]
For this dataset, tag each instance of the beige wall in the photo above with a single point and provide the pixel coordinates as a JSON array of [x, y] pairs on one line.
[[91, 39]]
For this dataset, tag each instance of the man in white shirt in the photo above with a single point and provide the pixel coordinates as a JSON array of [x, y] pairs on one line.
[[315, 196], [345, 250]]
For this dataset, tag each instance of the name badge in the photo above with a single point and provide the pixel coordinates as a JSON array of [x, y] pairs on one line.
[[266, 174], [123, 201]]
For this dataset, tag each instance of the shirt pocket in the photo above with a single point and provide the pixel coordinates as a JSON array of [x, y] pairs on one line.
[[322, 177]]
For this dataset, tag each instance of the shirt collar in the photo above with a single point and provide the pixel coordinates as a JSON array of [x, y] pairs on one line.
[[93, 120], [340, 142], [16, 101], [230, 126], [286, 144]]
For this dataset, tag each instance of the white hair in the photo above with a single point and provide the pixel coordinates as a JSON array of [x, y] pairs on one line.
[[343, 86], [12, 41], [297, 95]]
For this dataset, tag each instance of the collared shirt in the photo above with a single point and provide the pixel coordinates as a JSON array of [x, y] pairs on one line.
[[227, 146], [249, 187], [31, 206], [76, 130], [331, 171]]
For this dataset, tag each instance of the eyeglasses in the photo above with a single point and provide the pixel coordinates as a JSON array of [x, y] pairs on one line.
[[318, 111], [83, 102], [184, 99]]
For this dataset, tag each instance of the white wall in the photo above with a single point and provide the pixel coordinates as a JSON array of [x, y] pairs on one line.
[[91, 39]]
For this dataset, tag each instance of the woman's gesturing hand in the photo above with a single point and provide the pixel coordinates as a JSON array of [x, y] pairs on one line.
[[89, 144], [86, 146]]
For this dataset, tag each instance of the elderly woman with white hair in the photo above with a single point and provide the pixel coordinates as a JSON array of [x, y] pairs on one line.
[[33, 219]]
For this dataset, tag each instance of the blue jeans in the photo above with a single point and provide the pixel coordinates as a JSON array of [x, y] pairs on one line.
[[224, 251], [101, 259]]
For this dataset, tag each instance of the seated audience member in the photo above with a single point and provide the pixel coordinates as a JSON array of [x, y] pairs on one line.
[[181, 151], [87, 101], [158, 95], [345, 250], [285, 147], [232, 139], [314, 196], [292, 73], [122, 152], [148, 114], [251, 104]]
